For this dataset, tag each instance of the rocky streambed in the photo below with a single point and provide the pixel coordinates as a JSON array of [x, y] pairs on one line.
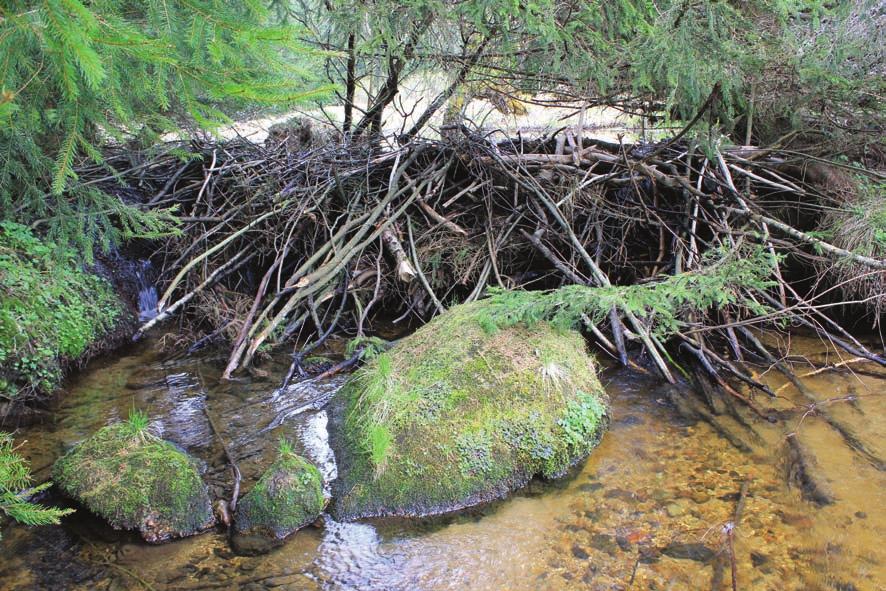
[[646, 511]]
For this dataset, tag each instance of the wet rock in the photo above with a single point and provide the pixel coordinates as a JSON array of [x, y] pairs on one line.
[[623, 542], [253, 545], [455, 415], [628, 421], [649, 554], [604, 543], [660, 495], [135, 480], [590, 486], [699, 497], [287, 497], [579, 552], [675, 510], [618, 493], [690, 551]]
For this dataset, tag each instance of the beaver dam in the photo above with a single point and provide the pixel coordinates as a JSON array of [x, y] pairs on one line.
[[465, 363]]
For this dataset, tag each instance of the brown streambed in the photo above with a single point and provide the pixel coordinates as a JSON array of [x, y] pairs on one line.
[[648, 506]]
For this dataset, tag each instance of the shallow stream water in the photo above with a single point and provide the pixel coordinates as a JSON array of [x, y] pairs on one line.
[[650, 509]]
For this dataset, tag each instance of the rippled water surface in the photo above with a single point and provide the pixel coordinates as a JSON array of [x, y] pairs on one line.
[[650, 509]]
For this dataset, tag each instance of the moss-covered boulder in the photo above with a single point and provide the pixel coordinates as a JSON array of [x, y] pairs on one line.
[[287, 497], [135, 480], [456, 414]]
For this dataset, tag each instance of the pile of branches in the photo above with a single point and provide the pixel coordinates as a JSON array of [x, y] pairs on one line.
[[295, 240]]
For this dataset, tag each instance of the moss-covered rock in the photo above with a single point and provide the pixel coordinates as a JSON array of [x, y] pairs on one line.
[[135, 480], [287, 497], [455, 415]]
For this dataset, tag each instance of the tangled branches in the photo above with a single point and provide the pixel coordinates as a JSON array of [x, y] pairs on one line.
[[289, 240]]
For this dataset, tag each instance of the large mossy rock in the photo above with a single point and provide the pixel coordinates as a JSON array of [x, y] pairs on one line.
[[287, 497], [135, 480], [455, 415]]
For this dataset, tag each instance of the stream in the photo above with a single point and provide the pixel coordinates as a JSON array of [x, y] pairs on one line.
[[648, 510]]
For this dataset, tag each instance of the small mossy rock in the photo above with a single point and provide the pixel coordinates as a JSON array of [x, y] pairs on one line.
[[287, 497], [135, 480], [455, 415]]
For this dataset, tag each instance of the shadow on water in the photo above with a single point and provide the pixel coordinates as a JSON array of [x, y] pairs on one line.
[[645, 511]]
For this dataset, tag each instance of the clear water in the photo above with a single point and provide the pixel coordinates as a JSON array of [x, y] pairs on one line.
[[646, 511]]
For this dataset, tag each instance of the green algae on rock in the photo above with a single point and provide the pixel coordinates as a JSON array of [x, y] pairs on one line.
[[135, 480], [287, 497], [455, 415]]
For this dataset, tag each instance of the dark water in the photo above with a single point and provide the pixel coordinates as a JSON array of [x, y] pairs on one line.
[[650, 509]]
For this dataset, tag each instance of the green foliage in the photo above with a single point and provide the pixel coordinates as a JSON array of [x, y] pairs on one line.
[[371, 347], [50, 310], [136, 481], [582, 415], [76, 74], [137, 424], [722, 283], [15, 490]]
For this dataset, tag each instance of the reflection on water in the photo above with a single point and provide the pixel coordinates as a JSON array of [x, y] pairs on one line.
[[649, 510]]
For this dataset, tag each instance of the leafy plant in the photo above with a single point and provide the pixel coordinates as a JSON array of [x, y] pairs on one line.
[[16, 492], [51, 310], [721, 283], [77, 74]]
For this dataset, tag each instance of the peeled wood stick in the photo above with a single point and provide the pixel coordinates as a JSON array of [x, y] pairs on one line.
[[862, 351], [405, 271], [235, 470], [443, 221], [601, 278], [209, 252], [829, 248], [615, 321], [244, 330], [849, 437], [316, 281], [299, 356], [421, 275]]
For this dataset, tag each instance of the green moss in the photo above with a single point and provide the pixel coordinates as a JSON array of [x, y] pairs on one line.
[[135, 480], [288, 496], [454, 415], [50, 310]]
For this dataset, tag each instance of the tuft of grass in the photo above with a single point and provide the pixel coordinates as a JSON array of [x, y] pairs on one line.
[[859, 225], [137, 424], [285, 448]]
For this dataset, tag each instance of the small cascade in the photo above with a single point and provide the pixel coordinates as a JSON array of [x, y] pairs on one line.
[[147, 291]]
